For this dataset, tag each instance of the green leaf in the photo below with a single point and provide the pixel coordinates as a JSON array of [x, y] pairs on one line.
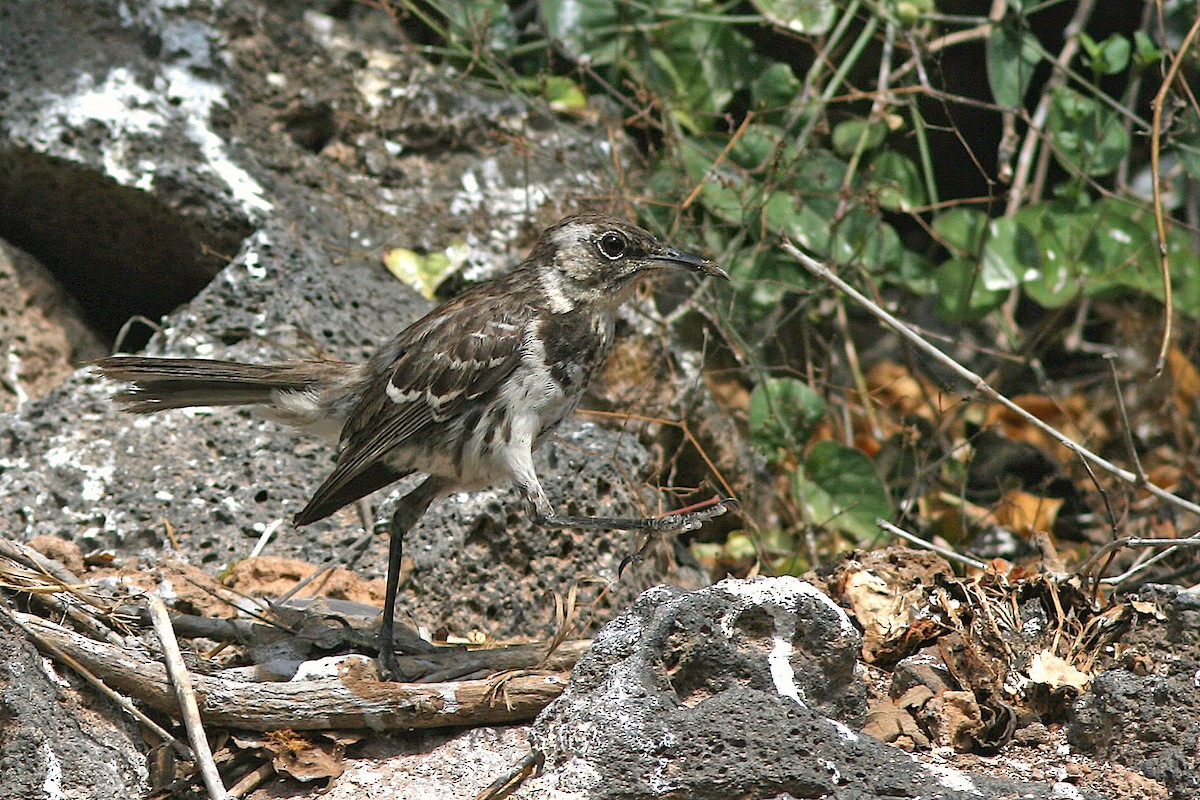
[[782, 214], [722, 190], [848, 134], [896, 182], [960, 293], [724, 200], [701, 61], [862, 237], [1185, 272], [1103, 249], [815, 189], [775, 88], [562, 93], [1012, 55], [915, 273], [695, 63], [1121, 249], [961, 230], [425, 272], [1185, 139], [911, 13], [760, 282], [783, 412], [811, 17], [800, 221], [1087, 136], [1108, 57], [1010, 255], [739, 546], [818, 179], [839, 487], [1060, 238], [590, 28], [759, 144], [485, 22], [1146, 52]]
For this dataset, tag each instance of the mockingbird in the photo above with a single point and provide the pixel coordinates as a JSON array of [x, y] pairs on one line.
[[464, 395]]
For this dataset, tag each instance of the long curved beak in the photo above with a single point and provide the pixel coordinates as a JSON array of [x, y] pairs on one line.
[[690, 262]]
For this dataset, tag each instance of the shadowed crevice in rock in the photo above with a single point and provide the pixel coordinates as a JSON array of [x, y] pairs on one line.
[[118, 250]]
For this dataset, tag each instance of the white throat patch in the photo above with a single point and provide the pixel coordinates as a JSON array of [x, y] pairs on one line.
[[552, 283]]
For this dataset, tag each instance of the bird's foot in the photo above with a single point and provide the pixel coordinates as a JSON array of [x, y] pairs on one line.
[[389, 667], [678, 522], [688, 520]]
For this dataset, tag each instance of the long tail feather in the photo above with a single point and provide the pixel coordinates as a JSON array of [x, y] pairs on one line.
[[159, 384]]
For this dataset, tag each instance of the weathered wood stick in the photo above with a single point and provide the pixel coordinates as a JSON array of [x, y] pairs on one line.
[[353, 699]]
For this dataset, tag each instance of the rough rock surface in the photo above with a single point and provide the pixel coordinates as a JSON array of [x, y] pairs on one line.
[[298, 147], [741, 689], [51, 744], [1145, 717], [255, 161], [43, 336]]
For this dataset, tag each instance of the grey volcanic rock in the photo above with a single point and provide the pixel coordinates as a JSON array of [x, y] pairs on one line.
[[235, 172], [1148, 722], [282, 151], [741, 689], [41, 329], [52, 744]]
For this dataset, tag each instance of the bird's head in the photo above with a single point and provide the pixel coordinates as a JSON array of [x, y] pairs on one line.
[[591, 258]]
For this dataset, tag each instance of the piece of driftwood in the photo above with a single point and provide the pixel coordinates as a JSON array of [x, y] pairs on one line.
[[355, 698], [327, 623]]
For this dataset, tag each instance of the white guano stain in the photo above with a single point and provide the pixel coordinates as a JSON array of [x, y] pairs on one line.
[[129, 107]]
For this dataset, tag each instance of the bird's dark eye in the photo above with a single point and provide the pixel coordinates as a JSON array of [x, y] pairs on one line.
[[612, 245]]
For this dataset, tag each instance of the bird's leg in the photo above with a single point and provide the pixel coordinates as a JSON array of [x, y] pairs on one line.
[[670, 523], [409, 510], [543, 513]]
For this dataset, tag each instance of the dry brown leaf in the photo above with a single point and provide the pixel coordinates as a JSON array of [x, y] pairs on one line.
[[1024, 512], [305, 757], [1072, 416], [1185, 379], [882, 614], [1165, 476], [894, 387], [1050, 670], [881, 589]]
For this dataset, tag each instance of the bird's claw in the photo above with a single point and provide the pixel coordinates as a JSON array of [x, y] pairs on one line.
[[692, 520], [389, 668], [679, 523]]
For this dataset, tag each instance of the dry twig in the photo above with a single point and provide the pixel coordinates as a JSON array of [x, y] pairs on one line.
[[186, 695], [978, 383], [982, 387], [944, 552]]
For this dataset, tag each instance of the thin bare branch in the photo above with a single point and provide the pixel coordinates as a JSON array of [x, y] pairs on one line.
[[1160, 223], [186, 695], [944, 552], [978, 383]]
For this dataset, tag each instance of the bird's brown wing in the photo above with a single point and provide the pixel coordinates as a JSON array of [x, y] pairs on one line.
[[440, 367]]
